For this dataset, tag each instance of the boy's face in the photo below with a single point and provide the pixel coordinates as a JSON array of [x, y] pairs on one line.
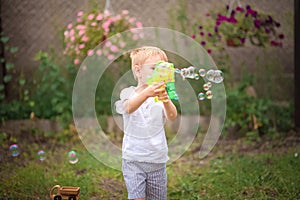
[[147, 68]]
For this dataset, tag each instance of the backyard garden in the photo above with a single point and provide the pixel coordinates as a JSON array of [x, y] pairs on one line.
[[247, 112]]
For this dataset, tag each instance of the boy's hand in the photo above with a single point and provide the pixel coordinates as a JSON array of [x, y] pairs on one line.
[[157, 89], [163, 95]]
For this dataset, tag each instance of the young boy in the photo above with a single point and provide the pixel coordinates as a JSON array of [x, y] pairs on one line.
[[144, 149]]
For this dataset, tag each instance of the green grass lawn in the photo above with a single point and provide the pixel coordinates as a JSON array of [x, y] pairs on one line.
[[222, 175]]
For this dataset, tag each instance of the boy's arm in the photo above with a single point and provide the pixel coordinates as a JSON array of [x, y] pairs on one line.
[[170, 110], [134, 103]]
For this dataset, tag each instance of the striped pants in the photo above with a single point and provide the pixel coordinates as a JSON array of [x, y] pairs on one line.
[[145, 180]]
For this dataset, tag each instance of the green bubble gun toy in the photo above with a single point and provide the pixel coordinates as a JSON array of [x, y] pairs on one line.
[[164, 71]]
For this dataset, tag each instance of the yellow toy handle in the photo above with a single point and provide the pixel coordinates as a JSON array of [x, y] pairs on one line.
[[52, 190]]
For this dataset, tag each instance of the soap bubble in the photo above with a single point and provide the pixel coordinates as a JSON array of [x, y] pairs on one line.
[[191, 72], [209, 84], [206, 87], [218, 76], [209, 94], [184, 72], [201, 96], [41, 155], [197, 77], [215, 76], [202, 72], [72, 155], [14, 150], [210, 75]]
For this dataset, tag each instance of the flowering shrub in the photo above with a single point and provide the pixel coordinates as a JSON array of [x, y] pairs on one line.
[[242, 24], [92, 28]]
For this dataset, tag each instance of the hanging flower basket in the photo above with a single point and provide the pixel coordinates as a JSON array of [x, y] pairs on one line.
[[235, 28]]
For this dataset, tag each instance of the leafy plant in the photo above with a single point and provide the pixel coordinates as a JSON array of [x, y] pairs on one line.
[[53, 92], [8, 65], [248, 113]]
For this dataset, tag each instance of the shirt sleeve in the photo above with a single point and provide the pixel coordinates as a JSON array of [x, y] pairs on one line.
[[125, 94]]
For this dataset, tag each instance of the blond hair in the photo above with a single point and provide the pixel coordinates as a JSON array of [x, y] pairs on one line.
[[140, 55]]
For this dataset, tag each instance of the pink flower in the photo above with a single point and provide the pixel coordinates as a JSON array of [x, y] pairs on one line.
[[80, 13], [132, 20], [99, 17], [134, 30], [105, 25], [125, 12], [71, 32], [108, 43], [79, 19], [114, 48], [85, 38], [91, 16], [76, 61], [99, 52], [70, 26], [110, 57], [81, 32], [80, 27], [122, 44], [66, 33], [139, 24], [135, 37], [72, 38], [90, 52], [106, 13], [93, 24], [81, 46]]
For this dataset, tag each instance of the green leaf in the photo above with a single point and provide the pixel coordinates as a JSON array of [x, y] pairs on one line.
[[26, 92], [22, 82], [14, 50], [1, 87], [9, 66], [2, 60], [40, 55], [4, 39], [31, 103], [2, 96], [7, 78]]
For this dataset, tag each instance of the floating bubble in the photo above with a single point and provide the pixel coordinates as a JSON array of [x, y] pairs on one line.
[[210, 75], [209, 84], [209, 94], [197, 77], [14, 150], [184, 72], [218, 76], [205, 87], [202, 72], [189, 72], [41, 155], [215, 76], [201, 96], [296, 155], [72, 155]]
